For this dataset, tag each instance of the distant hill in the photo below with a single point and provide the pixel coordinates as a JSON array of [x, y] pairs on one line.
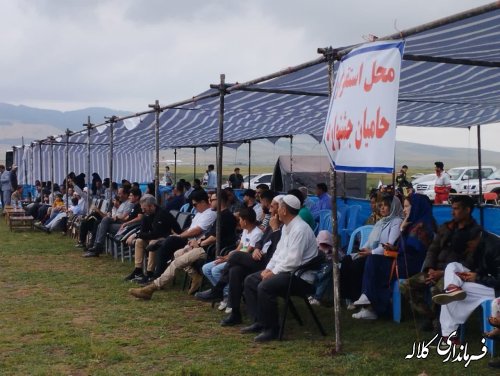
[[34, 123], [12, 114]]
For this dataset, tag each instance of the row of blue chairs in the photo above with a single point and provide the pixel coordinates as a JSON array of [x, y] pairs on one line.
[[348, 217]]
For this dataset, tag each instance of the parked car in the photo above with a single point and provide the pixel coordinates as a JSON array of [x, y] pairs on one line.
[[260, 179], [458, 177], [422, 178], [245, 181], [489, 184]]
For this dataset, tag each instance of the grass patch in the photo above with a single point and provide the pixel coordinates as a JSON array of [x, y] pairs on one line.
[[61, 314]]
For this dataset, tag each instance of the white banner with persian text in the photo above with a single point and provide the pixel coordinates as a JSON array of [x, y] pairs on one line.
[[360, 129]]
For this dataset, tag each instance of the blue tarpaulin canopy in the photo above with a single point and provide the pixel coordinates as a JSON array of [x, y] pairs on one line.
[[450, 78], [456, 85]]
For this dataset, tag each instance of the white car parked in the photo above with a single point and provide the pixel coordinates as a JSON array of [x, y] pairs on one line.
[[459, 176], [259, 179], [490, 184]]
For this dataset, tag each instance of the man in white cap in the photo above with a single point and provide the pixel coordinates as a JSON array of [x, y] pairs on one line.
[[296, 247]]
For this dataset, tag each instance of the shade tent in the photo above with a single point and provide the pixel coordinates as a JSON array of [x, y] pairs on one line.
[[134, 165], [449, 78]]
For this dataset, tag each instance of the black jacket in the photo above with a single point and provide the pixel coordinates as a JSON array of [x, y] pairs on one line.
[[158, 225], [487, 261], [452, 244]]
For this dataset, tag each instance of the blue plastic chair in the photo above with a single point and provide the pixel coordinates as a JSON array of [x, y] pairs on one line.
[[325, 220], [364, 232], [351, 225], [184, 208]]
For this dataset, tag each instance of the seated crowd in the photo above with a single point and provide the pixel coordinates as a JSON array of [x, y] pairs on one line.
[[266, 236]]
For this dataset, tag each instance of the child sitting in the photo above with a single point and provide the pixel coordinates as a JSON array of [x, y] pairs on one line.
[[323, 279]]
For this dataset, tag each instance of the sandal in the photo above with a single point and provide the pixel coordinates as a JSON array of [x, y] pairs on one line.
[[494, 321]]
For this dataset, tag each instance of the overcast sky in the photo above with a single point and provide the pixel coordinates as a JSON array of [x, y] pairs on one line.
[[124, 54]]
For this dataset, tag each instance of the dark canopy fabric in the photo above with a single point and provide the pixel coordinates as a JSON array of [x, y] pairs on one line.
[[432, 94]]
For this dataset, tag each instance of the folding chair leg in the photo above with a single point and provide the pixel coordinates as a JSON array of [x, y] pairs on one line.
[[316, 320], [295, 314], [283, 320]]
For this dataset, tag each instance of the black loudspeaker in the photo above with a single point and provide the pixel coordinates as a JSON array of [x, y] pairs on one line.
[[9, 159]]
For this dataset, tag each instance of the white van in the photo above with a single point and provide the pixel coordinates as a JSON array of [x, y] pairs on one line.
[[459, 176]]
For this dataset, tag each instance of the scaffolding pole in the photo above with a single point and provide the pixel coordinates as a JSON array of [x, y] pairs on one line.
[[479, 165], [68, 133], [330, 54], [222, 93], [194, 163], [88, 125], [157, 110]]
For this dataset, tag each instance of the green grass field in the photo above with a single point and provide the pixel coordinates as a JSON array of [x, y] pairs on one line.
[[61, 314]]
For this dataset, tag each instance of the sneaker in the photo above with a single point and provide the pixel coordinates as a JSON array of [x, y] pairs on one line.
[[222, 306], [313, 301], [450, 295], [90, 254], [228, 310], [351, 307], [79, 245], [365, 314], [134, 275], [145, 280], [363, 300]]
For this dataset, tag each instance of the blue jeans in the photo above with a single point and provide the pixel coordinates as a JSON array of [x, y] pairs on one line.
[[213, 272], [323, 280]]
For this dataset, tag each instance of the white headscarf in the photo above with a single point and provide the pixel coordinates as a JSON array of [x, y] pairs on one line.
[[396, 212]]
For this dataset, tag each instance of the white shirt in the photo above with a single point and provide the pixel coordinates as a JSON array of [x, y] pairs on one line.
[[249, 239], [212, 179], [443, 180], [204, 220], [297, 246]]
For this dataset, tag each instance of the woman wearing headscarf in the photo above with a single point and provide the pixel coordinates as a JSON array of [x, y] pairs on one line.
[[417, 232], [375, 291]]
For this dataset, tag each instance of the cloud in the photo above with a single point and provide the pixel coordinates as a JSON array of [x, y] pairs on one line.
[[124, 54]]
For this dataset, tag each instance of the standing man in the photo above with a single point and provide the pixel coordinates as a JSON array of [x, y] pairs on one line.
[[442, 185], [324, 200], [235, 179], [5, 184], [167, 178], [212, 177]]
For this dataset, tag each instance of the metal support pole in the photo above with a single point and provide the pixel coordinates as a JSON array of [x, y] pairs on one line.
[[32, 163], [112, 121], [157, 109], [222, 93], [52, 168], [68, 133], [40, 162], [89, 192], [25, 164], [249, 161], [175, 166], [291, 162], [479, 165], [330, 54], [194, 163]]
